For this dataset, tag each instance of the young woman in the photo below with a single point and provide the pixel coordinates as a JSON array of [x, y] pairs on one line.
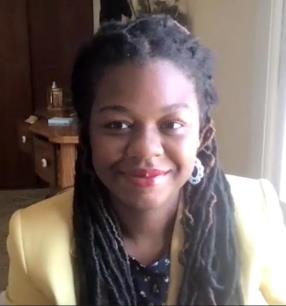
[[153, 219]]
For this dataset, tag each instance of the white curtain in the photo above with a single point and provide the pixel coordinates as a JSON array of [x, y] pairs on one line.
[[282, 98], [275, 109]]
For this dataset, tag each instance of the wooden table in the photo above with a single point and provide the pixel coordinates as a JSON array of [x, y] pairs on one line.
[[53, 149]]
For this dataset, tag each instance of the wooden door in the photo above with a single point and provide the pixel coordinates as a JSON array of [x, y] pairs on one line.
[[16, 168], [57, 29]]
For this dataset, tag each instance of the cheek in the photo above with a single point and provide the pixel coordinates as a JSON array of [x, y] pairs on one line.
[[105, 150], [185, 150]]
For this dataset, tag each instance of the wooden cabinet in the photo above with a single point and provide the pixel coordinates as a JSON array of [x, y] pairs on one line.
[[53, 150], [25, 139], [39, 42], [45, 161]]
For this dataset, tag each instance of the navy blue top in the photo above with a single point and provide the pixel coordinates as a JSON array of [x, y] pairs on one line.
[[151, 282]]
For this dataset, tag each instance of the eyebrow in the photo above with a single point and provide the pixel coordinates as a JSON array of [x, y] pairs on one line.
[[122, 109]]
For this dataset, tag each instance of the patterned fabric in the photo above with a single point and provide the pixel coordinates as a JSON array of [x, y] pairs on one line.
[[151, 282]]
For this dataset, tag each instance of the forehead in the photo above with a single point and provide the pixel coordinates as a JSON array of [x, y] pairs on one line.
[[153, 84]]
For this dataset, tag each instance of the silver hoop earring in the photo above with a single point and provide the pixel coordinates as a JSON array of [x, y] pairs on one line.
[[198, 173]]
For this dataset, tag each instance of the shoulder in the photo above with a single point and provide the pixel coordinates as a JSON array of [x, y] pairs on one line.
[[262, 238], [256, 202], [61, 202], [43, 224], [253, 187], [258, 215], [52, 211], [39, 245], [252, 194], [255, 198]]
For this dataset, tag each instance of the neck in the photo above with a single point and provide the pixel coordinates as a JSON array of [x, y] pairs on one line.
[[147, 234]]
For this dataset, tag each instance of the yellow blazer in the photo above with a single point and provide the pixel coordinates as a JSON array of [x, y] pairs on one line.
[[40, 247]]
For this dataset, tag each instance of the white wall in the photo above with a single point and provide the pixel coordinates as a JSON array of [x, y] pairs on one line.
[[238, 31]]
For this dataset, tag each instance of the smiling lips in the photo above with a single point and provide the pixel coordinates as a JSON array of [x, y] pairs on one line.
[[145, 178]]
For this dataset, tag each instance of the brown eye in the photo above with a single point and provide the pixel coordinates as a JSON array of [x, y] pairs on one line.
[[172, 126], [118, 125]]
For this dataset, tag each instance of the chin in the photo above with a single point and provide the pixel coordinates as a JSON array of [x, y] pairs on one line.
[[147, 201]]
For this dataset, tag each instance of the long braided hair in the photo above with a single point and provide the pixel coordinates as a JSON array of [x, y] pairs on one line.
[[210, 253]]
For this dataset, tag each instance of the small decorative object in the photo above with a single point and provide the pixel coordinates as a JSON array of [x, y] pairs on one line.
[[55, 97], [58, 102]]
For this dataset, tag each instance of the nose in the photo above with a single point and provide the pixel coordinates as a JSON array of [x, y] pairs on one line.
[[145, 144]]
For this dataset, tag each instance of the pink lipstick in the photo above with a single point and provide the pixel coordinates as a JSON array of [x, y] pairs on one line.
[[145, 178]]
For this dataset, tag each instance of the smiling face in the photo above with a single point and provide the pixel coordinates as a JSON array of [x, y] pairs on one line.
[[144, 131]]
